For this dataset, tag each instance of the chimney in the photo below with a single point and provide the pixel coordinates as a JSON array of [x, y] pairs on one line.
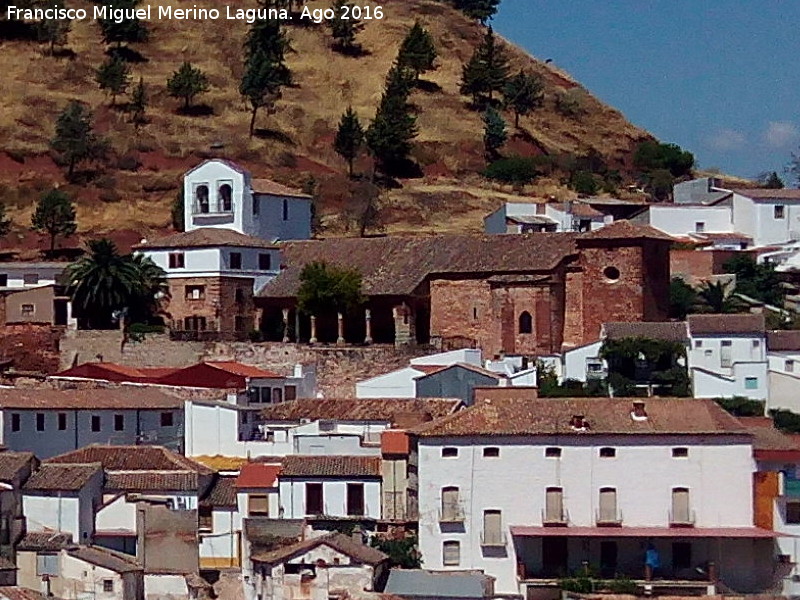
[[639, 413], [578, 422]]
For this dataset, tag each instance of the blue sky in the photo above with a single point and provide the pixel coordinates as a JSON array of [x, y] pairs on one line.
[[719, 77]]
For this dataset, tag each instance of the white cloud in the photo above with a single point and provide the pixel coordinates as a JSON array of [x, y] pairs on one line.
[[781, 134], [726, 140]]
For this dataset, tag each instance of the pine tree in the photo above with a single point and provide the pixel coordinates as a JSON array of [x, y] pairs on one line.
[[54, 215], [261, 84], [127, 30], [113, 76], [773, 182], [349, 138], [390, 134], [187, 83], [494, 132], [482, 10], [266, 37], [523, 93], [75, 140], [417, 52], [53, 32], [486, 72], [138, 104], [344, 31]]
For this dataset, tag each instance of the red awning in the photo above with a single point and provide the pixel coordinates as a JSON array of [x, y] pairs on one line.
[[648, 532]]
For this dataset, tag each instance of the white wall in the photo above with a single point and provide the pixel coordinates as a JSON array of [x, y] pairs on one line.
[[37, 273], [757, 219], [81, 579], [706, 384], [272, 497], [215, 262], [59, 513], [705, 351], [334, 497], [784, 383], [213, 174], [682, 220], [467, 355], [396, 384], [575, 360], [223, 541], [165, 586], [718, 473], [119, 514]]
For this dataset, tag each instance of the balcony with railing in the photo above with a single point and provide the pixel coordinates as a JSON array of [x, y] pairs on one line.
[[494, 539], [451, 512], [682, 518], [555, 517], [608, 518]]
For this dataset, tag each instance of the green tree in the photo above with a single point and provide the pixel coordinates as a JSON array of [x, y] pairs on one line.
[[113, 76], [771, 181], [571, 103], [349, 138], [328, 289], [716, 297], [741, 406], [267, 38], [150, 289], [187, 83], [54, 215], [75, 140], [494, 132], [660, 182], [402, 552], [391, 132], [104, 281], [176, 212], [261, 84], [659, 363], [137, 107], [522, 94], [53, 32], [344, 31], [682, 299], [482, 10], [584, 182], [758, 281], [486, 72], [652, 155], [124, 31], [417, 51]]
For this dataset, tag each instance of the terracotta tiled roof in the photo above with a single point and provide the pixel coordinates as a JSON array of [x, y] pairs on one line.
[[344, 544], [121, 398], [132, 458], [762, 194], [579, 209], [258, 475], [466, 366], [263, 530], [627, 230], [550, 416], [152, 481], [222, 493], [44, 540], [221, 463], [360, 409], [11, 463], [783, 341], [331, 466], [237, 368], [273, 188], [674, 332], [711, 324], [19, 593], [206, 237], [102, 557], [767, 438], [406, 261], [52, 477]]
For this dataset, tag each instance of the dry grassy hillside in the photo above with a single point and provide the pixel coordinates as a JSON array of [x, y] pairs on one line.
[[297, 139]]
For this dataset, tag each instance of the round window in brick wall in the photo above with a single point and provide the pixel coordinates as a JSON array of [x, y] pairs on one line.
[[611, 273]]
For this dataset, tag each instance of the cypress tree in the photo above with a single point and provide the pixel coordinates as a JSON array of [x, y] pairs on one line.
[[494, 132], [417, 52], [523, 93], [391, 132], [486, 72], [113, 76], [349, 138]]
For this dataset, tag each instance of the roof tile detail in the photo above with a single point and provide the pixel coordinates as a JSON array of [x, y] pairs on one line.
[[331, 466], [726, 323]]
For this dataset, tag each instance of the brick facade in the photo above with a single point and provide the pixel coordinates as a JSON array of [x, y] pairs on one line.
[[694, 265], [224, 303]]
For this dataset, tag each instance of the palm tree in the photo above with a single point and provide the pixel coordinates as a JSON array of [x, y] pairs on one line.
[[105, 281], [716, 297], [152, 286]]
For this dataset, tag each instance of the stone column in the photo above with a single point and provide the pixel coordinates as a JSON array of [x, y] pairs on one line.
[[368, 325], [285, 312], [296, 326], [340, 329], [313, 339], [403, 325]]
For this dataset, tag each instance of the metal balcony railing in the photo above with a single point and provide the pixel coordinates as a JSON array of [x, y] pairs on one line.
[[494, 539], [451, 513]]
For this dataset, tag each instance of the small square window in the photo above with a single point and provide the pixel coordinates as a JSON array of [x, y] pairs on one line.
[[15, 424], [30, 278], [708, 353], [493, 452], [27, 310], [780, 211], [789, 366], [680, 453], [95, 423], [166, 419], [552, 452], [108, 585], [265, 262], [608, 452], [751, 383], [699, 227], [177, 260], [119, 422], [698, 343], [236, 260], [290, 392], [756, 343], [195, 292], [449, 452]]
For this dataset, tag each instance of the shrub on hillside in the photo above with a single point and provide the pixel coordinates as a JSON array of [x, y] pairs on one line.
[[517, 169]]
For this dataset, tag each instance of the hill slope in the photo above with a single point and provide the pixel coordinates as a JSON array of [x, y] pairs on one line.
[[296, 141]]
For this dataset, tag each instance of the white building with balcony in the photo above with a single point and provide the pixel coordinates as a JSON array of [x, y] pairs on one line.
[[530, 491]]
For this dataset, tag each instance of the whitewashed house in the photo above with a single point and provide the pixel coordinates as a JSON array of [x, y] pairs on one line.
[[702, 223], [317, 569], [770, 217], [257, 490], [330, 487], [530, 217], [531, 490], [728, 356], [783, 356], [220, 526]]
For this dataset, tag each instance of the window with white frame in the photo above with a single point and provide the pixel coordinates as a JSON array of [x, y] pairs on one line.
[[751, 383], [779, 211], [451, 553], [788, 365]]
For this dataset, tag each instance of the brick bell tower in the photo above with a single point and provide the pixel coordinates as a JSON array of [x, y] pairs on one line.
[[624, 276]]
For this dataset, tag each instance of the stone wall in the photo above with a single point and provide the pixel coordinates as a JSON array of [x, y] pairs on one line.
[[338, 368], [31, 347], [694, 265]]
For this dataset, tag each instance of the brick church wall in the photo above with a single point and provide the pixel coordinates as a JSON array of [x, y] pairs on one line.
[[219, 304]]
